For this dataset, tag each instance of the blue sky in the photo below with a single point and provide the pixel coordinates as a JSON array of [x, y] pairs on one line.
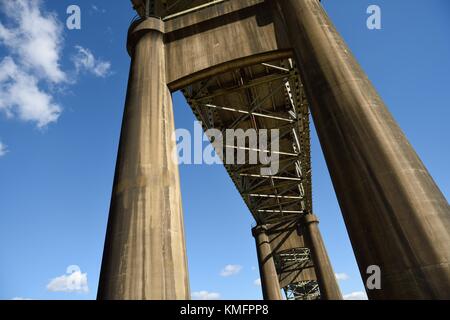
[[59, 131]]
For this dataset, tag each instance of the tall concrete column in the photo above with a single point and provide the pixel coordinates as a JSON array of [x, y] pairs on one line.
[[329, 289], [269, 277], [396, 216], [145, 255]]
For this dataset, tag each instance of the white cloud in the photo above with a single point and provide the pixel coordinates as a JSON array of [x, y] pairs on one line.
[[205, 295], [342, 276], [35, 37], [30, 71], [257, 282], [20, 299], [74, 281], [85, 61], [21, 96], [230, 270], [3, 149], [358, 295]]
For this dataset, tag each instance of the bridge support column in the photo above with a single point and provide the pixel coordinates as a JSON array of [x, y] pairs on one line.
[[269, 277], [145, 256], [396, 216], [329, 289]]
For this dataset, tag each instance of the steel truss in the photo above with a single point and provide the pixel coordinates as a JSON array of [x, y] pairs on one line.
[[296, 260], [265, 96], [303, 290]]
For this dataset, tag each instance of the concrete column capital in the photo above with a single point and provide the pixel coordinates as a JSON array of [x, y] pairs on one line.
[[140, 28], [256, 231], [309, 219]]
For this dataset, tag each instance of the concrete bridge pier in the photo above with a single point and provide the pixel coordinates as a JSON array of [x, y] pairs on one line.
[[269, 277], [145, 256], [396, 216]]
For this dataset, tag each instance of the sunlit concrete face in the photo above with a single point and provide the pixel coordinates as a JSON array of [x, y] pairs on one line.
[[145, 254], [396, 216]]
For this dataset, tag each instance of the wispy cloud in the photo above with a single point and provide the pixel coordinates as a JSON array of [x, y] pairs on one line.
[[20, 299], [205, 295], [342, 276], [74, 281], [358, 295], [257, 282], [33, 40], [34, 37], [21, 96], [31, 71], [3, 149], [230, 270], [85, 61]]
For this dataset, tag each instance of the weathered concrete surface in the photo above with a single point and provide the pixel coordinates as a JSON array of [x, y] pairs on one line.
[[329, 289], [396, 216], [269, 277], [229, 31], [145, 255]]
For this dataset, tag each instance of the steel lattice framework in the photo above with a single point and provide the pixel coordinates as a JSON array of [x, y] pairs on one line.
[[297, 260], [264, 96], [303, 290]]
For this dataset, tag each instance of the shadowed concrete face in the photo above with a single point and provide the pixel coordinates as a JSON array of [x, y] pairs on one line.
[[270, 243], [396, 216], [329, 289], [145, 256], [269, 278]]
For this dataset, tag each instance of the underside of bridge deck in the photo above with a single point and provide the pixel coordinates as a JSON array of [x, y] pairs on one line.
[[266, 96]]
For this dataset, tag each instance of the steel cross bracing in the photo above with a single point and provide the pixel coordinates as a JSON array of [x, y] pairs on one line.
[[303, 290], [296, 260], [263, 96]]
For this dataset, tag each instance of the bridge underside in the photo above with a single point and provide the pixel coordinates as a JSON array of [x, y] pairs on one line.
[[266, 96]]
